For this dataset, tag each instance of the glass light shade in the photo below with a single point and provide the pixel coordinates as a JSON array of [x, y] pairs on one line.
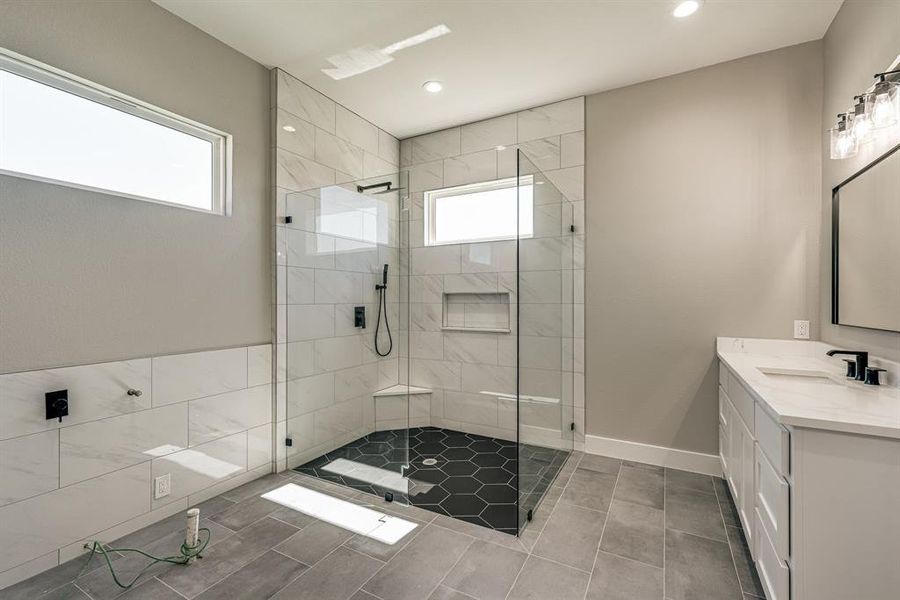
[[885, 110], [860, 118], [843, 143]]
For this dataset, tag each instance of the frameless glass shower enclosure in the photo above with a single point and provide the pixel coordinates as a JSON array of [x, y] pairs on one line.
[[430, 339]]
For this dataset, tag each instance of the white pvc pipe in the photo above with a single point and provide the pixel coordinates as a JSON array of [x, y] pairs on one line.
[[192, 530]]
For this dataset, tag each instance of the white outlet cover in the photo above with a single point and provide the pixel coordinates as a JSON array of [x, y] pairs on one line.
[[162, 486], [801, 330]]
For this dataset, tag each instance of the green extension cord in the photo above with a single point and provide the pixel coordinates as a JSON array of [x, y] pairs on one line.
[[187, 553]]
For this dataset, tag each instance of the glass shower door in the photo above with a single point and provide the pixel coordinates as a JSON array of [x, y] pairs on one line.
[[347, 414], [544, 334]]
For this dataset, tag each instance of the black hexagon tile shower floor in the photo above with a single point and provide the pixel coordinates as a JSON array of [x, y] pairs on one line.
[[462, 475]]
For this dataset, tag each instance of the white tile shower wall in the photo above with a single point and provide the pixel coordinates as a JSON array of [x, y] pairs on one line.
[[470, 372], [204, 417], [326, 262]]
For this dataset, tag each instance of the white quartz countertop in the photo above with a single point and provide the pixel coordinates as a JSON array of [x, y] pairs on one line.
[[834, 404]]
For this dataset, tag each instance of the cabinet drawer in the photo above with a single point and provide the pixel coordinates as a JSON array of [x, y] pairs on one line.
[[742, 401], [724, 445], [773, 505], [775, 441], [724, 417], [774, 575], [723, 376]]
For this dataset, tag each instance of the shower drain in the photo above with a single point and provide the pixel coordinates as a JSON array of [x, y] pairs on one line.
[[429, 462]]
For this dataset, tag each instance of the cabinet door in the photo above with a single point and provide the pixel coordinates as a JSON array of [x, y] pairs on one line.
[[748, 483], [736, 480]]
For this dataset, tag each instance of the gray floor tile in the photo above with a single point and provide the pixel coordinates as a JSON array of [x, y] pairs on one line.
[[226, 557], [444, 593], [698, 568], [571, 536], [245, 512], [314, 542], [743, 563], [65, 592], [258, 579], [361, 595], [635, 531], [100, 585], [693, 481], [417, 569], [617, 578], [41, 585], [639, 465], [152, 589], [590, 489], [292, 517], [337, 577], [380, 550], [694, 512], [478, 532], [486, 571], [601, 464], [542, 579], [726, 503], [175, 523], [641, 486], [257, 487]]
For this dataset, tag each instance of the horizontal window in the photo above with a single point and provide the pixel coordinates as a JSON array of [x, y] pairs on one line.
[[60, 129], [480, 212]]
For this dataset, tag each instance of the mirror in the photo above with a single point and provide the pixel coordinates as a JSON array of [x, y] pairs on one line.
[[866, 247]]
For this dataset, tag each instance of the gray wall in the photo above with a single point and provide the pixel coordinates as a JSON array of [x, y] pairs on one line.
[[702, 202], [863, 39], [89, 277]]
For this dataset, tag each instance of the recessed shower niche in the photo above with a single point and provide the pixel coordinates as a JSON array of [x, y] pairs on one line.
[[485, 311]]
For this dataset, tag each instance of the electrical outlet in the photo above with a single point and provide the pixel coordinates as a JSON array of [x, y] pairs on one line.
[[801, 330], [162, 486]]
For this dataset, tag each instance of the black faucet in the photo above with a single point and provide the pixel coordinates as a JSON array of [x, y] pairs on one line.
[[862, 361]]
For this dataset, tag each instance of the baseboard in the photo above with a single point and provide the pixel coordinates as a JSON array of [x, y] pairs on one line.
[[685, 460]]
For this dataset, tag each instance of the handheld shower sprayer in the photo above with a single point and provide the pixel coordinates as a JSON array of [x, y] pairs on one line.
[[382, 306]]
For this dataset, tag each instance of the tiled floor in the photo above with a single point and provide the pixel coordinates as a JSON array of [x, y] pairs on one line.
[[611, 530], [473, 478]]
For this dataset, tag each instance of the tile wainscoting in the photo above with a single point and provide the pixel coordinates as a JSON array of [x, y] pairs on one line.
[[205, 418]]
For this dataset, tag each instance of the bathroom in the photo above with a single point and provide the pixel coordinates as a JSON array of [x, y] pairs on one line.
[[449, 300]]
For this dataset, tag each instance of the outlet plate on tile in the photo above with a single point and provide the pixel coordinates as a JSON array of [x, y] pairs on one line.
[[162, 486]]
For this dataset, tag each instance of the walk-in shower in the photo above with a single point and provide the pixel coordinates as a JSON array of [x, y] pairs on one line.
[[465, 407]]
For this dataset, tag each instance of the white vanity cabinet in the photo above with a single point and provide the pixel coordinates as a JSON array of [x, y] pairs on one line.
[[820, 508]]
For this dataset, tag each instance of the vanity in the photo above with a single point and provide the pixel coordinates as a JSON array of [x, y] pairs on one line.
[[812, 460]]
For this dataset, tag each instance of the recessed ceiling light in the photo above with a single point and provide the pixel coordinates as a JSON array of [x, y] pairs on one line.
[[289, 128], [686, 8], [500, 148], [433, 87]]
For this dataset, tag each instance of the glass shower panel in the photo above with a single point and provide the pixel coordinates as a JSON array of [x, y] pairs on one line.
[[545, 335], [347, 414]]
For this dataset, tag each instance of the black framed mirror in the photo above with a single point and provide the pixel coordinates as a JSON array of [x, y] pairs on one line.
[[865, 246]]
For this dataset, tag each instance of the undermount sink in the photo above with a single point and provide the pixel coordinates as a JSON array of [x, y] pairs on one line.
[[798, 375]]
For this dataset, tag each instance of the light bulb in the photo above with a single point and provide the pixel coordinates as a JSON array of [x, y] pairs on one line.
[[843, 143]]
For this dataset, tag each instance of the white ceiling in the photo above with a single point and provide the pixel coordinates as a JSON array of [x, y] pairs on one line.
[[501, 56]]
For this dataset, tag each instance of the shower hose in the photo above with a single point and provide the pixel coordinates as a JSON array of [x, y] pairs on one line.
[[382, 303]]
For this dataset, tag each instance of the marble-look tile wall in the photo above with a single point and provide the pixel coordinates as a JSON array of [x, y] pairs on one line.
[[461, 366], [205, 418], [328, 259]]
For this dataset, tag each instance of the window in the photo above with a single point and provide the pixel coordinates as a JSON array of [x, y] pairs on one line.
[[479, 212], [58, 128]]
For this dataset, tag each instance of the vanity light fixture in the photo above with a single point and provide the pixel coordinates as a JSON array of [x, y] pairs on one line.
[[843, 143], [432, 87], [687, 8], [874, 111]]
